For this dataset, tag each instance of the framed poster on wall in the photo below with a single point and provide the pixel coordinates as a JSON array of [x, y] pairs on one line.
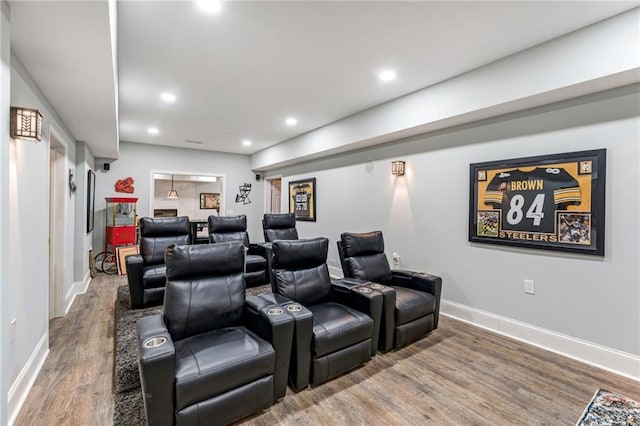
[[550, 202], [302, 199], [91, 199]]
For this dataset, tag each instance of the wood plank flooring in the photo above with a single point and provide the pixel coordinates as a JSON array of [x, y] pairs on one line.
[[458, 375]]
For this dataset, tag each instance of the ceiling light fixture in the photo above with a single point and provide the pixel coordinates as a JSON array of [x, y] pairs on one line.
[[168, 97], [153, 131], [210, 6], [291, 121], [173, 194], [387, 75], [246, 142]]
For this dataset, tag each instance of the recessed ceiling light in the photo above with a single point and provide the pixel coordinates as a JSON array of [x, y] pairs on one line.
[[246, 142], [153, 131], [210, 6], [168, 97], [291, 121], [387, 75]]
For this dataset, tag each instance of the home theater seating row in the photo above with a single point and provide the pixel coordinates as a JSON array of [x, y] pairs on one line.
[[216, 354]]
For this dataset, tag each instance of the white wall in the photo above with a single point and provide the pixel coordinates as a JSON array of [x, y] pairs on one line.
[[84, 162], [5, 164], [28, 286], [189, 202], [141, 160], [424, 216]]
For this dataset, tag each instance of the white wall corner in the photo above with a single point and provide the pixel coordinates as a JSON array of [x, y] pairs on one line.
[[609, 359], [22, 385], [78, 287]]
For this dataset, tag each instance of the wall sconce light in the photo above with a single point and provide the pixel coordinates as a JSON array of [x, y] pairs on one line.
[[397, 168], [173, 194], [26, 123], [72, 183]]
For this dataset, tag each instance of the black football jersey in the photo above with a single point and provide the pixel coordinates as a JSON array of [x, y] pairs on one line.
[[529, 200]]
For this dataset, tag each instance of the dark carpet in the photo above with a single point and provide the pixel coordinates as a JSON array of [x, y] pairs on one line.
[[128, 406]]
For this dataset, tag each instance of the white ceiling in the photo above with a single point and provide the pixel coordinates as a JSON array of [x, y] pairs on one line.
[[239, 73]]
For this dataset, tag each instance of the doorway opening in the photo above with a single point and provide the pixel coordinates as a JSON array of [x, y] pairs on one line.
[[57, 220], [273, 195], [195, 195]]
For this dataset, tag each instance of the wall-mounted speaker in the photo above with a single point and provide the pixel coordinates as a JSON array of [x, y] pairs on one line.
[[258, 178], [106, 167]]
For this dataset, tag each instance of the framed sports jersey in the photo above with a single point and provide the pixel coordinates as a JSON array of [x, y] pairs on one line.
[[302, 199], [550, 202]]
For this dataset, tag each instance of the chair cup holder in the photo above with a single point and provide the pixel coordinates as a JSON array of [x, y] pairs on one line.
[[364, 290], [275, 311], [376, 286], [154, 342], [294, 307]]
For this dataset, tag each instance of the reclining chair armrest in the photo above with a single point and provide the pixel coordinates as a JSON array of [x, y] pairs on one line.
[[135, 266], [258, 250], [421, 281], [157, 370], [275, 325], [267, 248], [363, 299], [300, 366]]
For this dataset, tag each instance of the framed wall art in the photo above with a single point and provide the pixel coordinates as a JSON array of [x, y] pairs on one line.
[[550, 202], [302, 199], [210, 200], [91, 199]]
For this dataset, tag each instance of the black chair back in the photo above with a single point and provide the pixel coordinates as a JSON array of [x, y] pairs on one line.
[[279, 227], [205, 288], [156, 234], [228, 228], [362, 256], [300, 270]]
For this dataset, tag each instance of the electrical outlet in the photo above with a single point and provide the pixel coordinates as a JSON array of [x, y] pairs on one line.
[[396, 259], [12, 330], [529, 287]]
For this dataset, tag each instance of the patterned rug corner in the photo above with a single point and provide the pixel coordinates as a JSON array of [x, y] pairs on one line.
[[610, 408]]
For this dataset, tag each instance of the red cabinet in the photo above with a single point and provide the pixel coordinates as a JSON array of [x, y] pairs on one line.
[[121, 224]]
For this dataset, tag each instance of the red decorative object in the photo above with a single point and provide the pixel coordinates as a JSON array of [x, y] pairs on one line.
[[125, 185], [121, 222]]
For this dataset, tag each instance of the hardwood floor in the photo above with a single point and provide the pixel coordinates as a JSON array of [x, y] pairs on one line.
[[458, 375]]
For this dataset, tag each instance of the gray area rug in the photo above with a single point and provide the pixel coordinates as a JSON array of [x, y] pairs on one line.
[[127, 396]]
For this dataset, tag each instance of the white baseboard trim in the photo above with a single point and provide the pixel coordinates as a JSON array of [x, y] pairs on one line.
[[618, 362], [22, 385], [78, 287]]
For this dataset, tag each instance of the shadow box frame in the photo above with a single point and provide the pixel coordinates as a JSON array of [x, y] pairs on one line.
[[301, 188], [516, 192]]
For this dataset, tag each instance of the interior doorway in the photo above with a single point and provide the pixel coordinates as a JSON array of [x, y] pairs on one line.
[[273, 195], [57, 219]]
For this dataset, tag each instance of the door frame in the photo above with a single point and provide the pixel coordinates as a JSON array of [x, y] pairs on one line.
[[58, 205], [268, 194]]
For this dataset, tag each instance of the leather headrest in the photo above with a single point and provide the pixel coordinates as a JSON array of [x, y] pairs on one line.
[[364, 244], [164, 226], [299, 254], [220, 224], [278, 221], [204, 260]]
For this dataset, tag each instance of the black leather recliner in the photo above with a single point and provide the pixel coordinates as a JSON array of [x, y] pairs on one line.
[[411, 300], [336, 326], [146, 271], [211, 358], [230, 228], [279, 226]]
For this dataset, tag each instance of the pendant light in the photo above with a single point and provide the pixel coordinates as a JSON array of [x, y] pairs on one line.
[[173, 194]]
